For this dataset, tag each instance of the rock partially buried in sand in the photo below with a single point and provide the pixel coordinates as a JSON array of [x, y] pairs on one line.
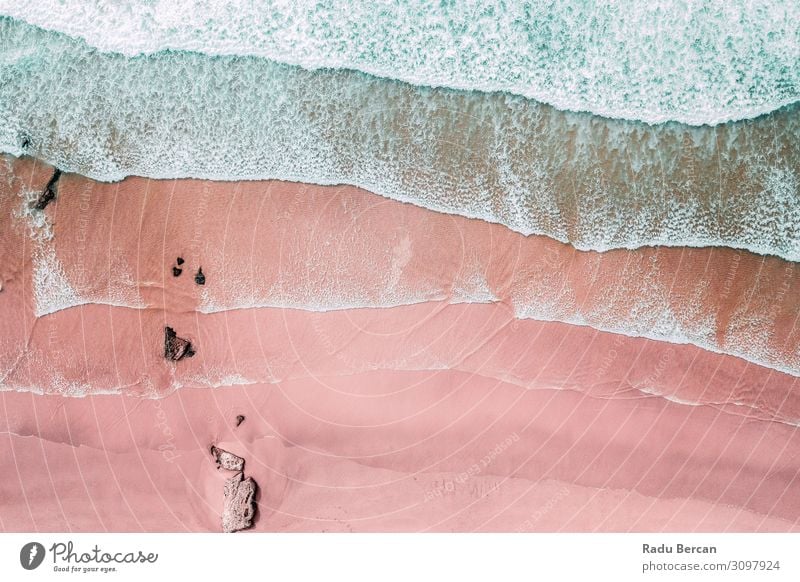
[[176, 348], [200, 278], [226, 460], [240, 503], [239, 507]]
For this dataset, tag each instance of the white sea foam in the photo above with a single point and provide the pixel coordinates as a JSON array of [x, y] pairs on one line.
[[51, 288], [473, 288], [37, 223], [694, 62], [598, 184]]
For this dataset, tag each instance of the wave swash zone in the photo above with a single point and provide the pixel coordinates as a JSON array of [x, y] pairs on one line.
[[593, 182], [697, 63]]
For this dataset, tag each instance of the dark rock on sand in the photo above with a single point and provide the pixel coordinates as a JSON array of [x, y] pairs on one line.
[[176, 348], [49, 192], [199, 278], [176, 272], [239, 419]]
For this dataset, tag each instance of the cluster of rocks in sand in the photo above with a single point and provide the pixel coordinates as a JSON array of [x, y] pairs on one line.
[[240, 492]]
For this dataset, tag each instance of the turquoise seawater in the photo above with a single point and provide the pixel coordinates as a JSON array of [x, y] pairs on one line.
[[694, 61], [597, 183]]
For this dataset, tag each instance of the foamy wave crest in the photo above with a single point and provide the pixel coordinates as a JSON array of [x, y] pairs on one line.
[[694, 62], [595, 183]]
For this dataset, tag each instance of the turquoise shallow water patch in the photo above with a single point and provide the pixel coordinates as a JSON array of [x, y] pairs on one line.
[[698, 62]]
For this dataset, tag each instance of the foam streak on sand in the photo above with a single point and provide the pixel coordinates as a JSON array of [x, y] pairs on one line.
[[272, 345], [596, 183]]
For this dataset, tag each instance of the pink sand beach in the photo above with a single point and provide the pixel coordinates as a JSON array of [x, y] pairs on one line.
[[397, 369]]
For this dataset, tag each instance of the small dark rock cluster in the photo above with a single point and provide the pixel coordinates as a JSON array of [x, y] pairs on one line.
[[176, 271], [176, 348], [199, 277], [239, 507]]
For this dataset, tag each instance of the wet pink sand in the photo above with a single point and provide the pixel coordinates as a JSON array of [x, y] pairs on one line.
[[436, 451], [102, 349], [381, 418], [292, 245]]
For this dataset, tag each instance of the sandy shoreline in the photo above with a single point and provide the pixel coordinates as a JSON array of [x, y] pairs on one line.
[[281, 244]]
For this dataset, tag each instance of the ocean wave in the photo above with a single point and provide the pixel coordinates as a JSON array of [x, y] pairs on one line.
[[598, 184], [697, 63]]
